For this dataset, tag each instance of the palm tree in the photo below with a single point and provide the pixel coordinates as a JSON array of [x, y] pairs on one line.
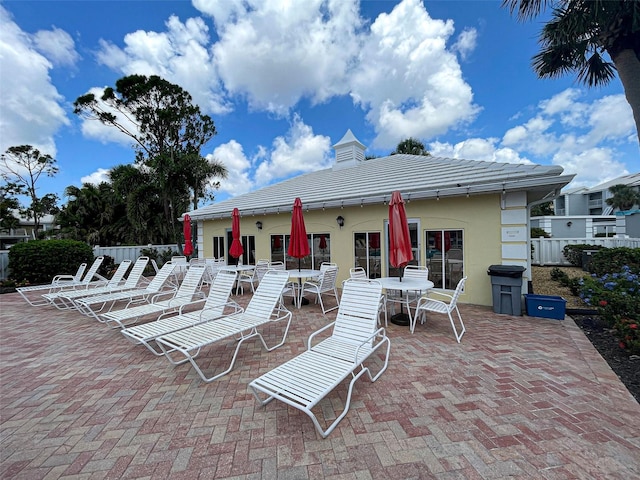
[[411, 146], [577, 36], [624, 197]]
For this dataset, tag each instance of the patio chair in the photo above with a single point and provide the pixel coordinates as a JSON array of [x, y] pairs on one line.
[[62, 282], [92, 306], [162, 302], [305, 380], [215, 306], [430, 304], [65, 300], [264, 308], [324, 285], [361, 273], [116, 284], [253, 276]]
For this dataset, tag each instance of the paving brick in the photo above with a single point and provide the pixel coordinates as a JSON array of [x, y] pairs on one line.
[[520, 397]]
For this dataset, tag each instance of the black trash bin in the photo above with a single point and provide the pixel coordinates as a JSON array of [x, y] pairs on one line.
[[506, 286], [587, 255]]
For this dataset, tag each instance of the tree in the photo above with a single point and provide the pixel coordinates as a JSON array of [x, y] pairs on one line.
[[411, 146], [22, 167], [624, 197], [168, 133], [544, 209], [8, 204], [577, 36]]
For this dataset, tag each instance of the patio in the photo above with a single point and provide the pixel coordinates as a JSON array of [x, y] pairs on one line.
[[520, 397]]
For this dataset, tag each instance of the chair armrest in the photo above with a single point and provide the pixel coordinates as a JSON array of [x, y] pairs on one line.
[[61, 278], [236, 308], [380, 332], [312, 336]]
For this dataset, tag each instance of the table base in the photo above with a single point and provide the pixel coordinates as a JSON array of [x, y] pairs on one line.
[[401, 319]]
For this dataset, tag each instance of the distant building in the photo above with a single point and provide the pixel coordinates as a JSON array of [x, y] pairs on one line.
[[583, 212], [25, 230]]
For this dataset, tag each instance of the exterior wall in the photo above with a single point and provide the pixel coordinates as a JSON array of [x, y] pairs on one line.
[[478, 216]]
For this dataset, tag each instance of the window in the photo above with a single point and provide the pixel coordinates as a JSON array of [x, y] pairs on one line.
[[367, 252], [249, 247], [218, 247], [320, 251], [445, 260]]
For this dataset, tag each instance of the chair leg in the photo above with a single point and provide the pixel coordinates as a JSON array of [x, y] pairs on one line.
[[453, 325]]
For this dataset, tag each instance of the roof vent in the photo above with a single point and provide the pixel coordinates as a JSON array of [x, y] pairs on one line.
[[349, 151]]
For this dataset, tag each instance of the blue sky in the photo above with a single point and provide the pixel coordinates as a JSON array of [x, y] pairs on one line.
[[283, 84]]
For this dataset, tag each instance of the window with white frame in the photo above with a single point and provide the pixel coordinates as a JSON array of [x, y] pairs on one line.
[[319, 247], [445, 257], [367, 252]]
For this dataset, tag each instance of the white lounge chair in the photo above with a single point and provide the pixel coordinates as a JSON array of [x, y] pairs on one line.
[[305, 380], [61, 282], [94, 305], [360, 272], [215, 306], [64, 300], [263, 309], [116, 284], [430, 304], [161, 303]]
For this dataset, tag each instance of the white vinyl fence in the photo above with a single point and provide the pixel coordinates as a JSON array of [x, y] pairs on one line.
[[549, 251]]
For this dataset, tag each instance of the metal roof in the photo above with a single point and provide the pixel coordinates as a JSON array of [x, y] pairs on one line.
[[372, 181]]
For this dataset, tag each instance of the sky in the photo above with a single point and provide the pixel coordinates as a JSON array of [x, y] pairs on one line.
[[284, 80]]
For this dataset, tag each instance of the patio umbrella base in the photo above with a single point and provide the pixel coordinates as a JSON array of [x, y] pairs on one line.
[[401, 319]]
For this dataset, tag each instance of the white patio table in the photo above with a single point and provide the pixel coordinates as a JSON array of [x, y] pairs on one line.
[[405, 286], [301, 274]]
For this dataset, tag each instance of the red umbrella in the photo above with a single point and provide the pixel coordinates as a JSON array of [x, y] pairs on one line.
[[277, 243], [236, 249], [186, 226], [298, 243], [400, 252], [322, 244], [447, 241], [374, 240]]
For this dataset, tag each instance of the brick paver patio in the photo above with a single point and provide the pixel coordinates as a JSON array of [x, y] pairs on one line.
[[520, 397]]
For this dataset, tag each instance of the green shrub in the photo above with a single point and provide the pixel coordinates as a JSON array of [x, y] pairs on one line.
[[617, 299], [537, 232], [573, 253], [613, 259], [38, 261]]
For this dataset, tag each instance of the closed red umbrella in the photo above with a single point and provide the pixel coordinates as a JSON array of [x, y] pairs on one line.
[[236, 249], [276, 242], [400, 252], [298, 243], [322, 244], [374, 240], [186, 226]]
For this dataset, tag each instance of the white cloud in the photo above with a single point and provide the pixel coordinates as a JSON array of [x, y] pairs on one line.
[[466, 42], [30, 106], [484, 149], [238, 167], [301, 151], [592, 166], [58, 46], [179, 55], [275, 56], [96, 178], [408, 81]]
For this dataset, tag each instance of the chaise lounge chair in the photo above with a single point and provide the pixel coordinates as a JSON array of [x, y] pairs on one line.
[[216, 304], [161, 302], [116, 284], [92, 306], [33, 294], [305, 380], [264, 308], [64, 300]]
